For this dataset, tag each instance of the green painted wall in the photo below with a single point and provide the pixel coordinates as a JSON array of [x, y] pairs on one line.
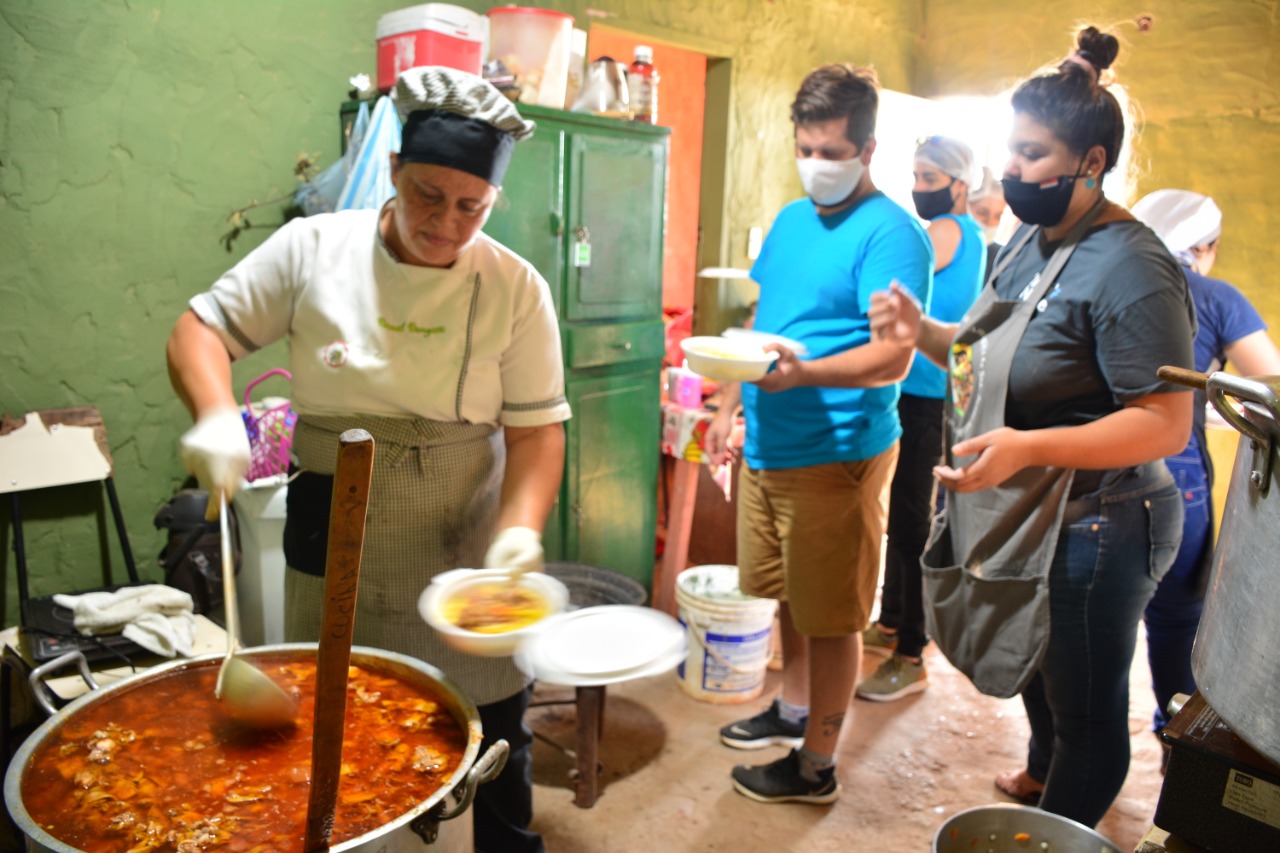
[[131, 129]]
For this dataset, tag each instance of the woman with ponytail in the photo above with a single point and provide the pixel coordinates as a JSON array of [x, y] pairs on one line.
[[1061, 516]]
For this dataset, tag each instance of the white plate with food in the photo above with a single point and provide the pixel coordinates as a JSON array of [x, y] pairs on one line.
[[488, 612], [763, 338]]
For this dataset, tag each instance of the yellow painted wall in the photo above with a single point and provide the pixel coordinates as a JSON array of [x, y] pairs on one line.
[[1206, 77]]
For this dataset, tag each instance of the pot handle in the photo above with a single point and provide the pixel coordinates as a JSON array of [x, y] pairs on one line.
[[486, 769], [43, 694], [1249, 391], [427, 826]]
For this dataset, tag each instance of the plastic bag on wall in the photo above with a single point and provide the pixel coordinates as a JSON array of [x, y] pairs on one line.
[[369, 183], [321, 193]]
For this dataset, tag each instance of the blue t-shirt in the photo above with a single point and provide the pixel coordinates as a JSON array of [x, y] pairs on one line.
[[816, 276], [1225, 316], [955, 287]]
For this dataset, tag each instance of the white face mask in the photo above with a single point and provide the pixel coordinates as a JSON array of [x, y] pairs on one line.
[[829, 182]]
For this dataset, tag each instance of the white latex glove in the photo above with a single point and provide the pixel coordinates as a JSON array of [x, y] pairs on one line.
[[216, 451], [516, 548]]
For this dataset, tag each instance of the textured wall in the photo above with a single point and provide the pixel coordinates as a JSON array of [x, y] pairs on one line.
[[132, 127], [1206, 77]]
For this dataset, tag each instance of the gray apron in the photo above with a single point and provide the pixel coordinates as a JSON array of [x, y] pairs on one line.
[[986, 565], [433, 504]]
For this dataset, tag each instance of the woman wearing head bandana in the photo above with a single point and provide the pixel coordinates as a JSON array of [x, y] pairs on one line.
[[1229, 330], [944, 170], [1061, 516], [412, 324]]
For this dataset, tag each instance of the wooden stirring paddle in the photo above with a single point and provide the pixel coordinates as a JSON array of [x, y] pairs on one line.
[[342, 575]]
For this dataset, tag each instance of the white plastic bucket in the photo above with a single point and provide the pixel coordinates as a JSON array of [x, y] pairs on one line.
[[728, 635]]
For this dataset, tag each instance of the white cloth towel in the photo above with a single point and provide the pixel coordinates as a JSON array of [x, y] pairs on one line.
[[159, 618]]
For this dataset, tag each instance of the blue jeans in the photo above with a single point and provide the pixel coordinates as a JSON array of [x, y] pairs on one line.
[[1111, 555], [1173, 615]]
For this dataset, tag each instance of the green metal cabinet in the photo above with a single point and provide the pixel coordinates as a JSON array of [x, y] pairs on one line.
[[583, 201]]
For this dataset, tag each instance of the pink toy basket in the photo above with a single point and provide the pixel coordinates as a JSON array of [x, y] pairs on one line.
[[270, 432]]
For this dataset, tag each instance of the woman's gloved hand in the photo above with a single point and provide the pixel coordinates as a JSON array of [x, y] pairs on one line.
[[516, 548], [216, 451]]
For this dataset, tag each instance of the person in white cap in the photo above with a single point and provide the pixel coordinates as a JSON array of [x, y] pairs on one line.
[[944, 170], [1229, 330], [411, 323], [987, 205]]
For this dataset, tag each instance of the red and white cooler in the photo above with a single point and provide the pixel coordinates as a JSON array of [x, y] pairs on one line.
[[429, 34]]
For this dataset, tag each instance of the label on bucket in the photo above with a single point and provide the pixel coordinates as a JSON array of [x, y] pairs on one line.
[[729, 663]]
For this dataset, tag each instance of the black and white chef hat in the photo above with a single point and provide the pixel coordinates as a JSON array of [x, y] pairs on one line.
[[455, 119], [1182, 219]]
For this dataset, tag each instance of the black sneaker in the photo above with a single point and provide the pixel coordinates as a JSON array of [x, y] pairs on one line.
[[764, 729], [781, 782]]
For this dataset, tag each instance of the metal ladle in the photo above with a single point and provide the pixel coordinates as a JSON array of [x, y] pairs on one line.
[[248, 694]]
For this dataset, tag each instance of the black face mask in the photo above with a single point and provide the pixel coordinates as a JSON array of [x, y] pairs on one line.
[[931, 204], [1039, 203]]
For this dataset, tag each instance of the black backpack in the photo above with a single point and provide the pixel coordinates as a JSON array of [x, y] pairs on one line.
[[192, 557]]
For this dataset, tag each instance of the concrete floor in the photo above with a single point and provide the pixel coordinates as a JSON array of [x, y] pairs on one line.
[[904, 766]]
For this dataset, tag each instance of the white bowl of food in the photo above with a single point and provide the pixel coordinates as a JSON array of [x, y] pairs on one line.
[[489, 612], [727, 359]]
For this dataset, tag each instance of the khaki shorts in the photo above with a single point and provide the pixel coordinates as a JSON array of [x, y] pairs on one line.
[[812, 537]]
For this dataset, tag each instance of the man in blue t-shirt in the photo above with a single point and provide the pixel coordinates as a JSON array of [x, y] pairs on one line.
[[822, 431]]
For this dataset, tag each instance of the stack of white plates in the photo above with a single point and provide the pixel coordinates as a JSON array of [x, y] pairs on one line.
[[602, 645]]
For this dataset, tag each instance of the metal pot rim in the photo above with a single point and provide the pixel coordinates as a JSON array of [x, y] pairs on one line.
[[463, 709]]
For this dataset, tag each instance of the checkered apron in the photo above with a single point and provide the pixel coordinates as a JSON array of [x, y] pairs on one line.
[[433, 503]]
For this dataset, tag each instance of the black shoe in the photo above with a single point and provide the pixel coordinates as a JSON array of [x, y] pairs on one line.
[[764, 729], [781, 782]]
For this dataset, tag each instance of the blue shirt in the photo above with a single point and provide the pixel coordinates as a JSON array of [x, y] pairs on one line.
[[816, 276], [955, 287], [1224, 315]]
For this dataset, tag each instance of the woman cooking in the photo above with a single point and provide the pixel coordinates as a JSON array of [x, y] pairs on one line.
[[410, 323], [1061, 516]]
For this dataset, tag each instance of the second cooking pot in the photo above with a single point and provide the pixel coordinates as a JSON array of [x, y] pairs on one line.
[[1236, 659]]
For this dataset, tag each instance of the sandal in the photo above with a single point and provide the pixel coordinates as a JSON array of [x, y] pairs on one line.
[[1018, 785]]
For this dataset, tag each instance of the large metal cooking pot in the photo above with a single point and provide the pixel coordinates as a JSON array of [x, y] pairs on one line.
[[422, 828], [1236, 659], [1011, 828]]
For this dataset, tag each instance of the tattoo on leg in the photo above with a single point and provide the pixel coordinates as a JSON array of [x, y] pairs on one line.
[[831, 724]]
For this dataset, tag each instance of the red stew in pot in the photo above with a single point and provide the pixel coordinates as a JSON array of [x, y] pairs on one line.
[[161, 768]]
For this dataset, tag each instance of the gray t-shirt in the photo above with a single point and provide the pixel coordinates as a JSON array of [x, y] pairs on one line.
[[1119, 310]]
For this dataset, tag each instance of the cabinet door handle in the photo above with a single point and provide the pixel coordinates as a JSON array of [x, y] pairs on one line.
[[557, 225], [625, 346]]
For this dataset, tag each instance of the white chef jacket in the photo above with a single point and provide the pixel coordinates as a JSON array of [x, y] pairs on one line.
[[475, 343]]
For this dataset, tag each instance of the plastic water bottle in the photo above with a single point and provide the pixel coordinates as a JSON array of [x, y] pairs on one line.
[[642, 86]]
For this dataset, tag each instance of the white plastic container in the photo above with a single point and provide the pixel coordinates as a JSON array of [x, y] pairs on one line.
[[534, 45], [260, 511], [728, 636], [429, 34]]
